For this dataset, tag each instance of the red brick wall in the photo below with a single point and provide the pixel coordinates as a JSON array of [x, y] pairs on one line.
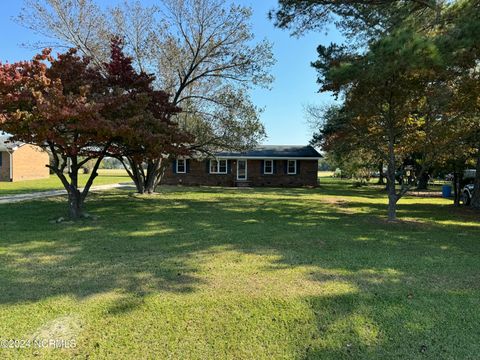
[[307, 174], [198, 175]]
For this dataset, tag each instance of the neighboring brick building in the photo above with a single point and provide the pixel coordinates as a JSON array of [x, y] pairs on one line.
[[22, 161], [276, 166]]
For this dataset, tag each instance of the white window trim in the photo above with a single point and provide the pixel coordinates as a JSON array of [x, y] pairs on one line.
[[288, 167], [218, 167], [265, 167], [184, 166]]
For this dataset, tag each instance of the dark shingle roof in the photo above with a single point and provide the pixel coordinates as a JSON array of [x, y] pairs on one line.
[[275, 151]]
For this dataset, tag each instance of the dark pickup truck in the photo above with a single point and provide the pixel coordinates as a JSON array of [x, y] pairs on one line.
[[467, 191]]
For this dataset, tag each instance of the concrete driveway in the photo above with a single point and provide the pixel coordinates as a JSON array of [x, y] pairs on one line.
[[8, 199]]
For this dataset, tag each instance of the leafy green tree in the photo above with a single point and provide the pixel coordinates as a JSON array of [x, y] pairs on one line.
[[461, 46], [335, 133], [382, 90], [436, 103], [359, 20]]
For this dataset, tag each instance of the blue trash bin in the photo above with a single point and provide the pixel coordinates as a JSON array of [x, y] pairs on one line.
[[446, 191]]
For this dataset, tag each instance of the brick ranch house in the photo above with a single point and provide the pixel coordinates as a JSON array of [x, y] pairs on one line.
[[276, 166], [20, 161]]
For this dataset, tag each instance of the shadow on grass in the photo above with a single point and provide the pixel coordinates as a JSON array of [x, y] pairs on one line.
[[409, 278], [334, 189]]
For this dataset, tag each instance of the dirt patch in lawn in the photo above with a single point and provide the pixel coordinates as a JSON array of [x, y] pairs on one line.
[[62, 328]]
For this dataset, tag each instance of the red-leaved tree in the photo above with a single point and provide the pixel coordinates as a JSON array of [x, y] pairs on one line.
[[57, 103], [81, 112]]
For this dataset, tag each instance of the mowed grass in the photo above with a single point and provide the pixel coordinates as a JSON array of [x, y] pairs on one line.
[[53, 183], [210, 273]]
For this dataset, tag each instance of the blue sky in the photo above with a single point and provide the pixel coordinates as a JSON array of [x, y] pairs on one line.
[[295, 80]]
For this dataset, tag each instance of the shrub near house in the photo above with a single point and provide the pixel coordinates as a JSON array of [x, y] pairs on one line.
[[289, 166]]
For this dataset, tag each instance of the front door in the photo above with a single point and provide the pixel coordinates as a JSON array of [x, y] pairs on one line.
[[242, 170]]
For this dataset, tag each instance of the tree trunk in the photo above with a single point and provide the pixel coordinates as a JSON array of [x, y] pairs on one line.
[[392, 207], [59, 163], [75, 204], [381, 176], [457, 190], [392, 195], [150, 185], [156, 171], [140, 187], [74, 196], [146, 180], [136, 172], [475, 202], [387, 185], [423, 182], [392, 199]]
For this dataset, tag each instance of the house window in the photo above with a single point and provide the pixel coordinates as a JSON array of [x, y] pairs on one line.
[[218, 166], [292, 167], [181, 166], [268, 166]]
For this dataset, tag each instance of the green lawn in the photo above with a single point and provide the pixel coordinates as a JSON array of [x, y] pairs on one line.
[[208, 273], [53, 183]]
